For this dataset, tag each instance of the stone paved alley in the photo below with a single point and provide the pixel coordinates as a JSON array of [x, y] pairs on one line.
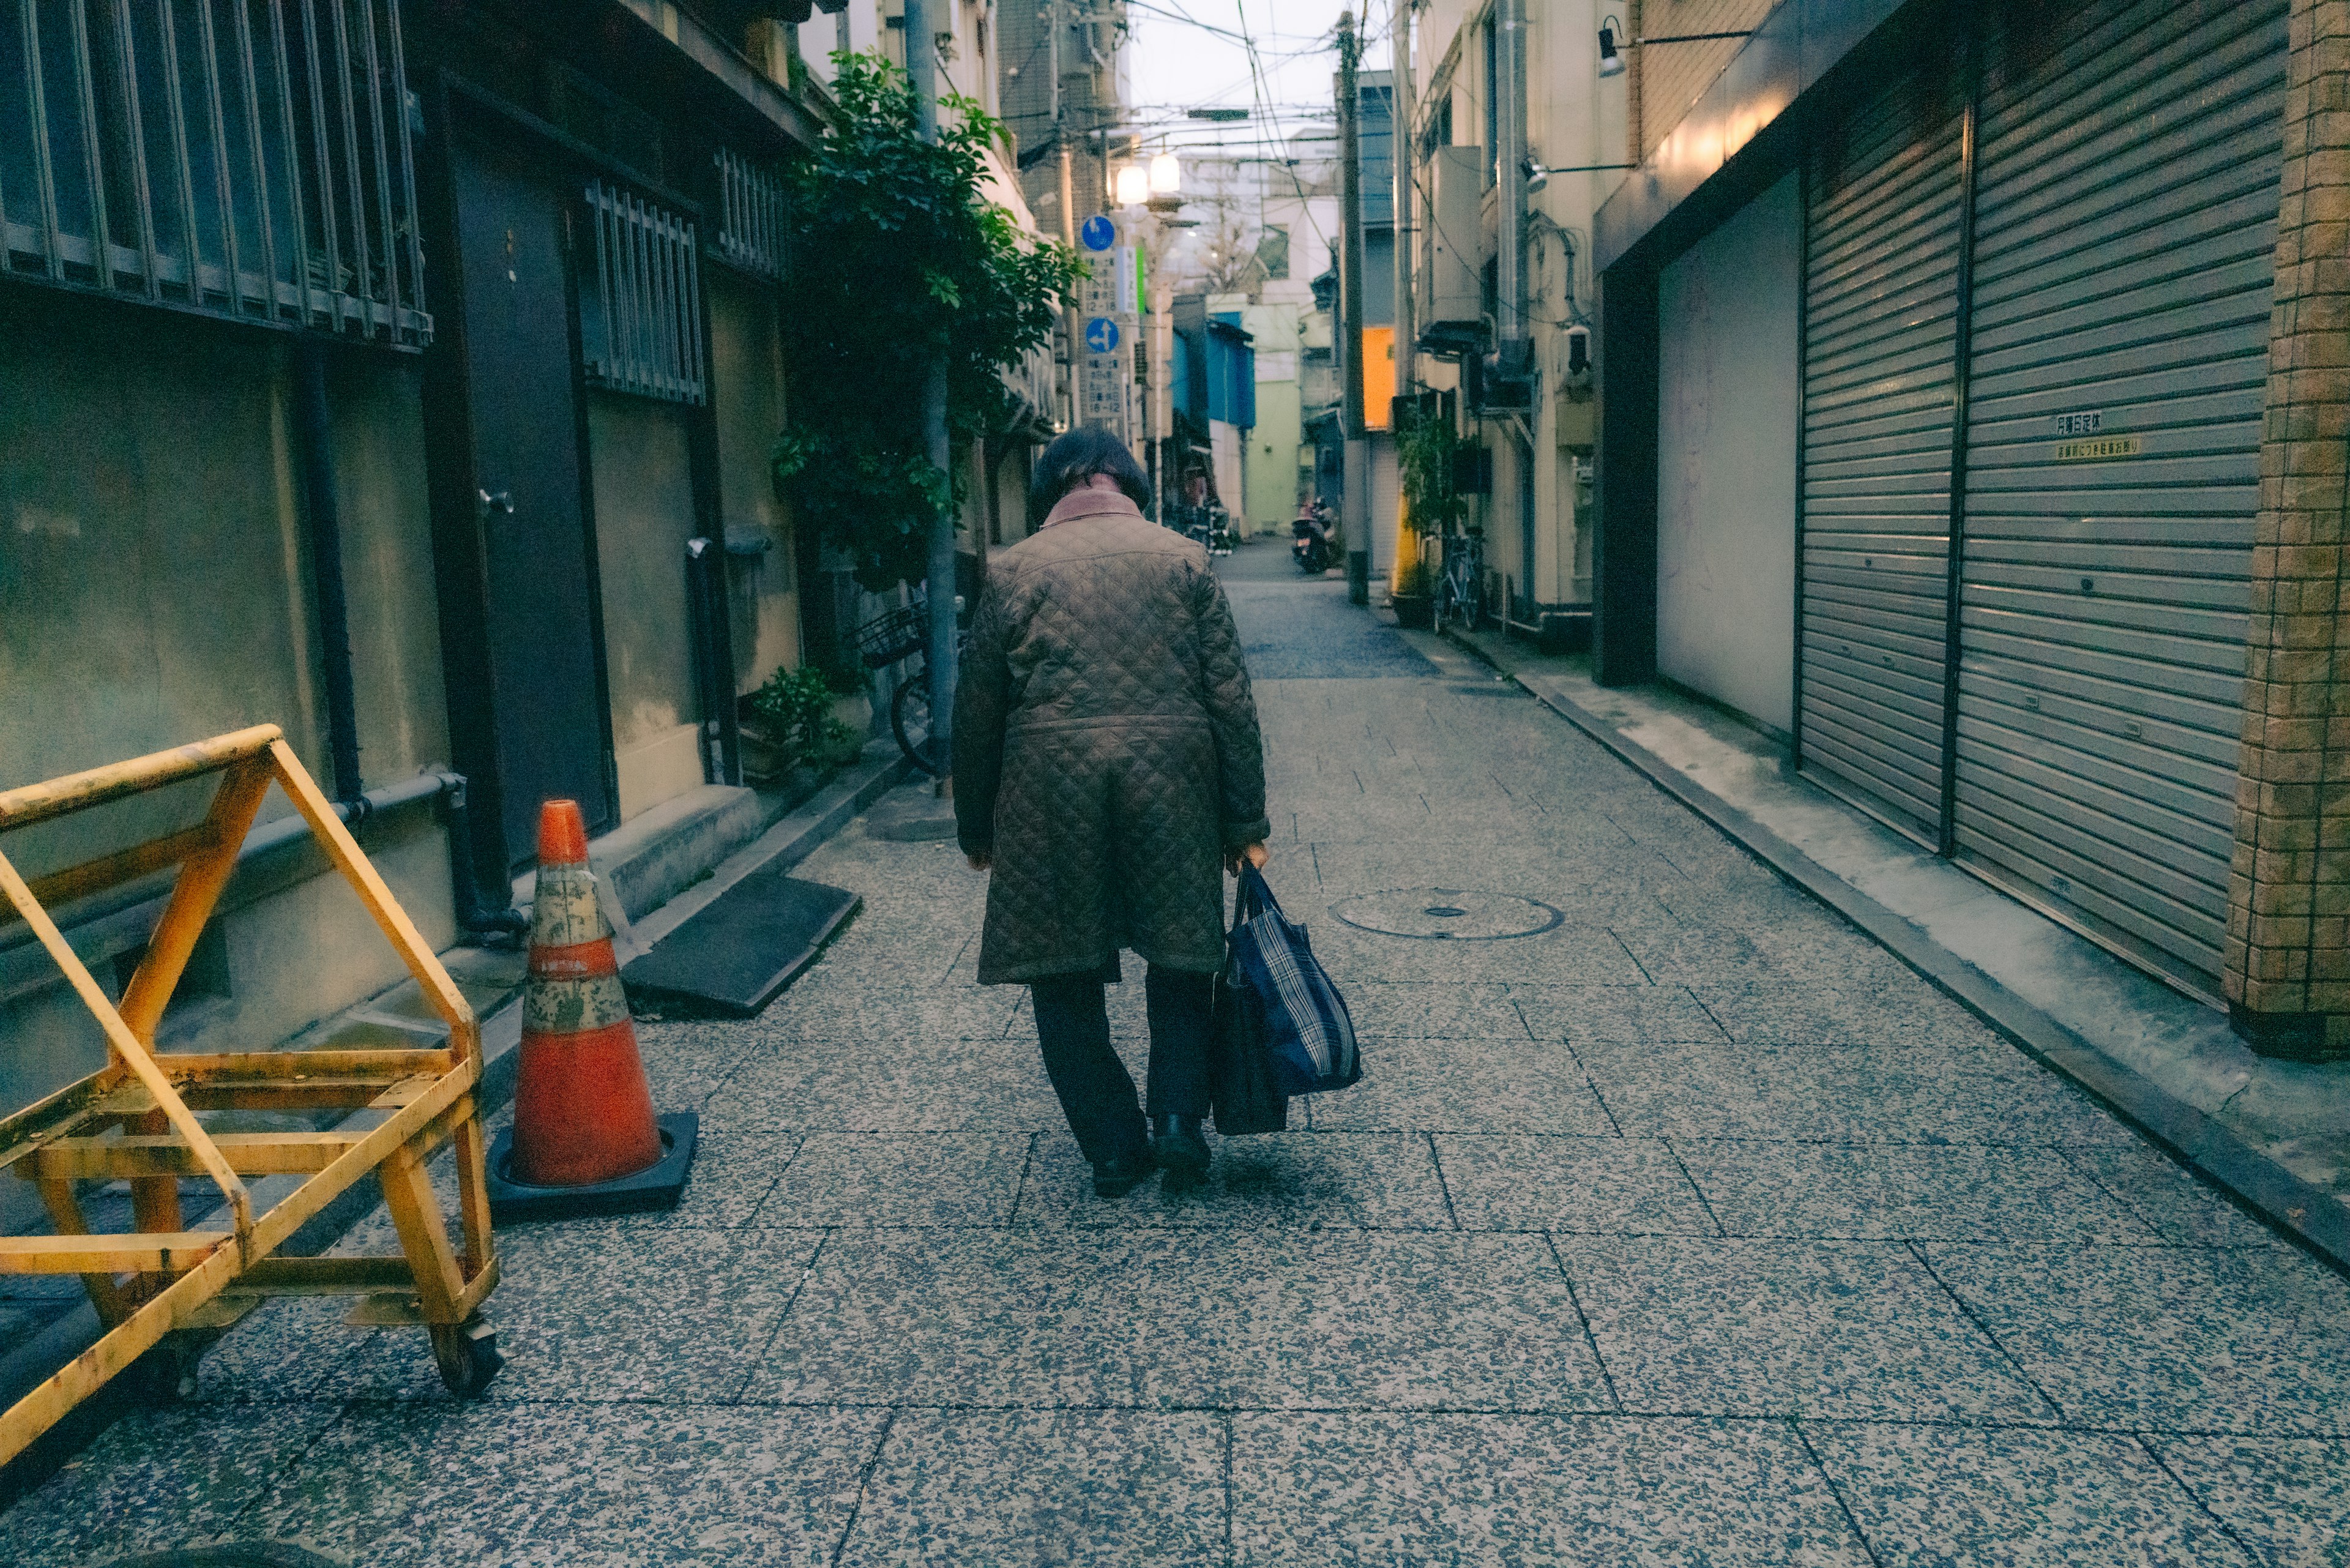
[[1686, 1226]]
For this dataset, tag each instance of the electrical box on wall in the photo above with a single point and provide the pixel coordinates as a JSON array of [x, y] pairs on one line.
[[1456, 312]]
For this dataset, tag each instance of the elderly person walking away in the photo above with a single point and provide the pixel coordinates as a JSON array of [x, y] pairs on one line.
[[1108, 769]]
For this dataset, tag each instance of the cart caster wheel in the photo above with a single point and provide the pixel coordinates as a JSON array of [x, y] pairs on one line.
[[468, 1356], [168, 1374]]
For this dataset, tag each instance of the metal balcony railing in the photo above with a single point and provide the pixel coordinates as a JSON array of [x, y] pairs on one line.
[[640, 330], [248, 158], [751, 232]]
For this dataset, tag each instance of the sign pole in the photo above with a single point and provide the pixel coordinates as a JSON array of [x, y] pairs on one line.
[[922, 67]]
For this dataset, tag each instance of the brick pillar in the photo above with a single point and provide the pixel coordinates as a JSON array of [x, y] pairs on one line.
[[2288, 951]]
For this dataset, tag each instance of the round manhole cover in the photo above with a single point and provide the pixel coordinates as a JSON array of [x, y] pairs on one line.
[[1447, 914]]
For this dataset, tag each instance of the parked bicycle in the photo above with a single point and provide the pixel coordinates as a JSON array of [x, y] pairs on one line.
[[1461, 588], [901, 636]]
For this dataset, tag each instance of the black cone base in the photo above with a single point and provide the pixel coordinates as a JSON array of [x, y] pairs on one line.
[[657, 1185]]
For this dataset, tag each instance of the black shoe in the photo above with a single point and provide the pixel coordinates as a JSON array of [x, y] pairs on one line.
[[1116, 1177], [1181, 1150]]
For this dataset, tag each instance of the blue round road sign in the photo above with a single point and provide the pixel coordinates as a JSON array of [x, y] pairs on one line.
[[1098, 233], [1101, 335]]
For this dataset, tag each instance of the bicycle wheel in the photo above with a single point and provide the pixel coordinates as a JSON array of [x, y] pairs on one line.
[[909, 720]]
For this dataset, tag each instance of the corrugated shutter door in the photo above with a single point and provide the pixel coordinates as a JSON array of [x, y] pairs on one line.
[[1879, 343], [2125, 214]]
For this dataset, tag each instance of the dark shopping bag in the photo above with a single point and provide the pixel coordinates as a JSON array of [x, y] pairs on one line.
[[1300, 1018], [1242, 1088]]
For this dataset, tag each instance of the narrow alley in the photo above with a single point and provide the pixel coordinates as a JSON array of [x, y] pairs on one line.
[[1674, 1222]]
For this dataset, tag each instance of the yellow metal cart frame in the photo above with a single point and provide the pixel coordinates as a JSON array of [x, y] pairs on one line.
[[136, 1118]]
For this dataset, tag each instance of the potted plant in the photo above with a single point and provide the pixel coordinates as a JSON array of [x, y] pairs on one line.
[[1426, 503], [790, 726]]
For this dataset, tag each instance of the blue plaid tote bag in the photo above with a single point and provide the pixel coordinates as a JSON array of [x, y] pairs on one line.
[[1307, 1033]]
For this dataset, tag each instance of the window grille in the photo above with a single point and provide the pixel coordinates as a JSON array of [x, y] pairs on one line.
[[641, 328], [248, 159], [751, 216]]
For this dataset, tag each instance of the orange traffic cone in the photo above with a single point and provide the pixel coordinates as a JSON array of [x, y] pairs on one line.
[[585, 1139]]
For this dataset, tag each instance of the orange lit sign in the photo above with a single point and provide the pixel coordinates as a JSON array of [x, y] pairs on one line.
[[1379, 375]]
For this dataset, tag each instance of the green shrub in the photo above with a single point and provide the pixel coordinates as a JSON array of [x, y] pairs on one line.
[[795, 708]]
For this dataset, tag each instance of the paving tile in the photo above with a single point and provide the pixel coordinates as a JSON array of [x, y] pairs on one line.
[[900, 1179], [1608, 1186], [1360, 1488], [2161, 1192], [1434, 1011], [2167, 1338], [1569, 955], [849, 1012], [591, 1310], [1840, 1093], [1067, 1487], [1460, 1085], [831, 1087], [1293, 1180], [732, 1176], [2287, 1497], [718, 1488], [1184, 1319], [160, 1477], [1858, 1011], [1691, 1325], [1629, 1014], [673, 1484], [1950, 1192], [1938, 1494], [683, 1067]]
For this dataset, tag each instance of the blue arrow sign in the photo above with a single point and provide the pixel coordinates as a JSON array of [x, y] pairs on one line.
[[1097, 233], [1101, 335]]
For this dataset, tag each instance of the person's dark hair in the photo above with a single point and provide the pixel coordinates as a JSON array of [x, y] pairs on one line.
[[1075, 458]]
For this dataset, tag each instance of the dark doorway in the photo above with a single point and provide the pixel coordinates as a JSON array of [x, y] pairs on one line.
[[544, 702]]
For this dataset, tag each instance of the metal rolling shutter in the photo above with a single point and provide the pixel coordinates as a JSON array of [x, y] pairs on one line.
[[1879, 343], [2125, 221]]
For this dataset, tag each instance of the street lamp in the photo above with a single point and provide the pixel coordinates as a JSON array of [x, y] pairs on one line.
[[1166, 174], [1133, 185]]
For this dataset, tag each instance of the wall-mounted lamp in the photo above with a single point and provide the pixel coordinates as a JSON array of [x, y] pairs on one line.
[[1538, 174], [1611, 58]]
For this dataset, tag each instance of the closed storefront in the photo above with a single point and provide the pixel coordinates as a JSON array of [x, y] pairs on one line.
[[2125, 209], [1726, 460], [2037, 264], [1881, 266]]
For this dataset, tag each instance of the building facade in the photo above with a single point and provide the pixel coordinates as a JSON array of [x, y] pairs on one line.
[[1967, 389], [413, 388]]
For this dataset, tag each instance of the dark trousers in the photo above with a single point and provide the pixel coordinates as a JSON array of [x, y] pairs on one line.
[[1097, 1092]]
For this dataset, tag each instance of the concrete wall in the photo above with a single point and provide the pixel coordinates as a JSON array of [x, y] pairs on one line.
[[1726, 460], [155, 588], [642, 468], [747, 395], [1670, 77]]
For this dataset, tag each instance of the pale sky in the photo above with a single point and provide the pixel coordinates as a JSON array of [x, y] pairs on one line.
[[1196, 52], [1186, 54]]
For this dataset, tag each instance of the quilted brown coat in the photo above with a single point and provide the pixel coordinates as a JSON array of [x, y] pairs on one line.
[[1106, 746]]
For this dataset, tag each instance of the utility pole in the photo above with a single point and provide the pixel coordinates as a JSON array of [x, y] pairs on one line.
[[1357, 509], [921, 66], [1406, 146]]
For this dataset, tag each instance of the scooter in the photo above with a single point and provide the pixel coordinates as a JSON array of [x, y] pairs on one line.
[[1309, 547]]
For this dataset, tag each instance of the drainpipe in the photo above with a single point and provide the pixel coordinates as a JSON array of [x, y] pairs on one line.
[[315, 439], [476, 916], [1509, 305]]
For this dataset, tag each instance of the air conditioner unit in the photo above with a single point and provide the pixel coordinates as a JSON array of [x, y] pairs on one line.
[[1455, 317]]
